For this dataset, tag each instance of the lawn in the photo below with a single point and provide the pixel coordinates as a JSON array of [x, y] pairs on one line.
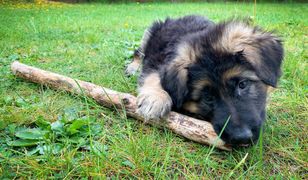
[[47, 133]]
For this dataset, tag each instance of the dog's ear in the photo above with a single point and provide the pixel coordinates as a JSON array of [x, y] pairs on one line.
[[266, 57], [261, 49], [175, 74], [175, 83]]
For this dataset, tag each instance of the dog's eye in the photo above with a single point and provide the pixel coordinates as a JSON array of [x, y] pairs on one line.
[[243, 84]]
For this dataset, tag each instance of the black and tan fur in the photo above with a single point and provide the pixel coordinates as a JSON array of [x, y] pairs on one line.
[[210, 71]]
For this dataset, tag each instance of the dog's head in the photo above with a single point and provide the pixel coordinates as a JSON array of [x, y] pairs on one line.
[[226, 76]]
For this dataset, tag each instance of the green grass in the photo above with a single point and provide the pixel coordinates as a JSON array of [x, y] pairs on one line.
[[76, 138]]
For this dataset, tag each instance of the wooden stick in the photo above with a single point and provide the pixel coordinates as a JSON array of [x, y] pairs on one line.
[[193, 129]]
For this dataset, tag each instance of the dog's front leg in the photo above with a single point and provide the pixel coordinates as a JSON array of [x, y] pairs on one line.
[[153, 101], [133, 67]]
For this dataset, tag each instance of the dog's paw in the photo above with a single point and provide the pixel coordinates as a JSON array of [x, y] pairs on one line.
[[154, 104], [131, 69]]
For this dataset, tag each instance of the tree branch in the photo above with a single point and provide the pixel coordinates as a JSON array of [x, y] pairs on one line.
[[193, 129]]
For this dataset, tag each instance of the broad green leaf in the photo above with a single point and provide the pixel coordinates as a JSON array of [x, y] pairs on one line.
[[3, 124], [8, 100], [78, 140], [45, 149], [57, 148], [13, 57], [57, 126], [19, 102], [99, 148], [34, 133], [23, 142], [33, 151], [71, 113], [42, 123], [76, 125], [11, 129], [53, 148]]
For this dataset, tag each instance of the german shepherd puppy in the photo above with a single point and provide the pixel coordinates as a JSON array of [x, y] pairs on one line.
[[215, 72]]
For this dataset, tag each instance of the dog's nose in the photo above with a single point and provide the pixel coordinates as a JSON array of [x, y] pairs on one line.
[[242, 136]]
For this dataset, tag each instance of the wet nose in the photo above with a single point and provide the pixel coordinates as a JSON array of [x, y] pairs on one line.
[[242, 136]]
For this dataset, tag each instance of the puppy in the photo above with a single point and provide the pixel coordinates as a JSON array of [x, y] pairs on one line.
[[218, 72]]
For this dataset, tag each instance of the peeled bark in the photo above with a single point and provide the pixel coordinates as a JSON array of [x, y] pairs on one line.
[[193, 129]]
